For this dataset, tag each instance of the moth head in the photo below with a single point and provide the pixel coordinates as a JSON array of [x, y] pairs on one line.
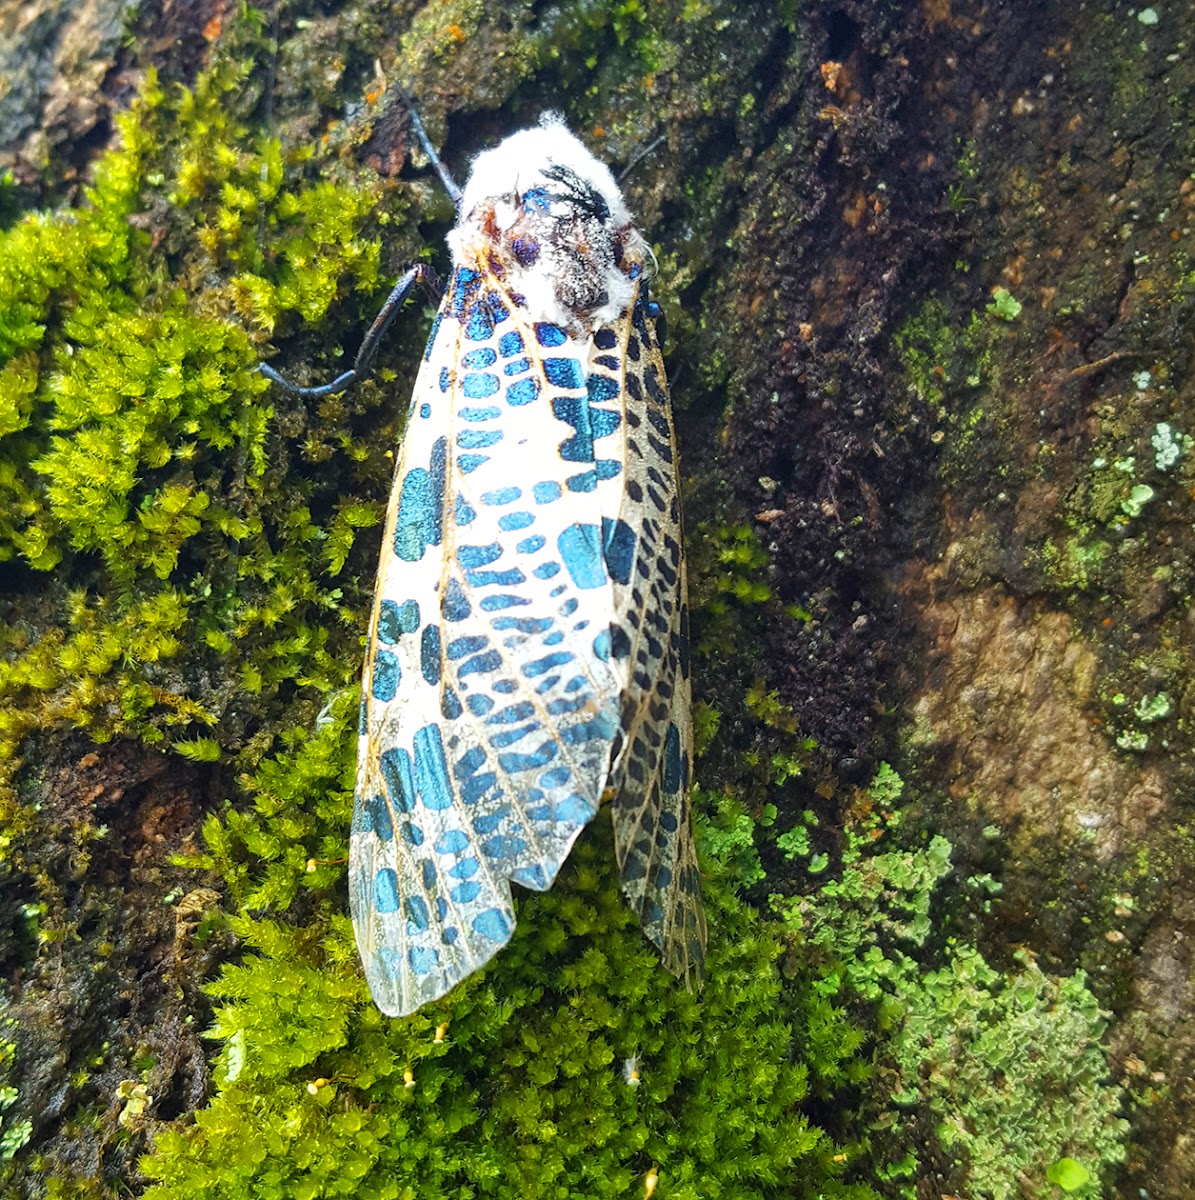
[[552, 166], [540, 210]]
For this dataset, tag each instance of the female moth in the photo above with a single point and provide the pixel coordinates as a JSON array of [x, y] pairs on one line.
[[527, 656]]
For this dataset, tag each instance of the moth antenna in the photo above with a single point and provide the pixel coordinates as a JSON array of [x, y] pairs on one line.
[[450, 184], [420, 273], [638, 158]]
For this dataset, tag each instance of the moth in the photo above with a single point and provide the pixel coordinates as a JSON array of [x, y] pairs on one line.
[[527, 656]]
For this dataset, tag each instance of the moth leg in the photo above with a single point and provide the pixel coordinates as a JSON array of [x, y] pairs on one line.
[[450, 184], [422, 274]]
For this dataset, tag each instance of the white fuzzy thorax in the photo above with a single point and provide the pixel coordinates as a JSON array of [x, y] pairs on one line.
[[541, 188]]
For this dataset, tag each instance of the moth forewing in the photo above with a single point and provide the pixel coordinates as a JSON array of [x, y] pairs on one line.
[[526, 651], [652, 827]]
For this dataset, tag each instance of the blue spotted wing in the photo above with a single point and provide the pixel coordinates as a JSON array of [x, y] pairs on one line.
[[650, 771], [492, 699]]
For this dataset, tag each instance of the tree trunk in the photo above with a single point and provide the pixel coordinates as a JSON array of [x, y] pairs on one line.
[[927, 273]]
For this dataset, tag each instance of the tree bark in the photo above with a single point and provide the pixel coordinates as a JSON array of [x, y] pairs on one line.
[[928, 274]]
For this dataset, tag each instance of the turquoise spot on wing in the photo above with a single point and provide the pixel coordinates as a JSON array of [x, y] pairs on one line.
[[548, 334], [386, 675], [601, 389], [455, 605], [469, 463], [516, 366], [589, 423], [618, 547], [546, 570], [583, 481], [477, 385], [482, 664], [501, 601], [464, 892], [562, 373], [492, 924], [603, 727], [580, 549], [508, 737], [415, 908], [451, 841], [431, 337], [546, 492], [429, 653], [476, 359], [421, 507], [516, 520], [385, 890], [464, 514], [478, 439], [415, 527], [376, 819], [471, 557], [531, 545], [460, 647], [479, 704], [523, 624], [465, 868], [396, 770], [543, 755], [502, 846], [512, 713], [495, 578], [422, 959], [488, 822], [396, 619], [506, 495], [510, 343], [533, 877], [523, 391], [431, 771], [479, 325], [479, 414], [473, 785], [574, 810]]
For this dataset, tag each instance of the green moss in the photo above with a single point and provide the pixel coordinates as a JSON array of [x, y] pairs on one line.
[[1000, 1072], [14, 1131], [525, 1095], [1076, 564], [140, 452]]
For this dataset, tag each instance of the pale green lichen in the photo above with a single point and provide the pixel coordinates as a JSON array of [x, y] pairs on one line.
[[1009, 1062], [1169, 445], [1137, 499]]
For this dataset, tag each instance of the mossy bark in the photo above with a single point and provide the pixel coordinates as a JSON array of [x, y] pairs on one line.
[[928, 276]]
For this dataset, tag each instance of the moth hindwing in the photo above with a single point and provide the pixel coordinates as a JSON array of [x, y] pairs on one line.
[[527, 654]]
